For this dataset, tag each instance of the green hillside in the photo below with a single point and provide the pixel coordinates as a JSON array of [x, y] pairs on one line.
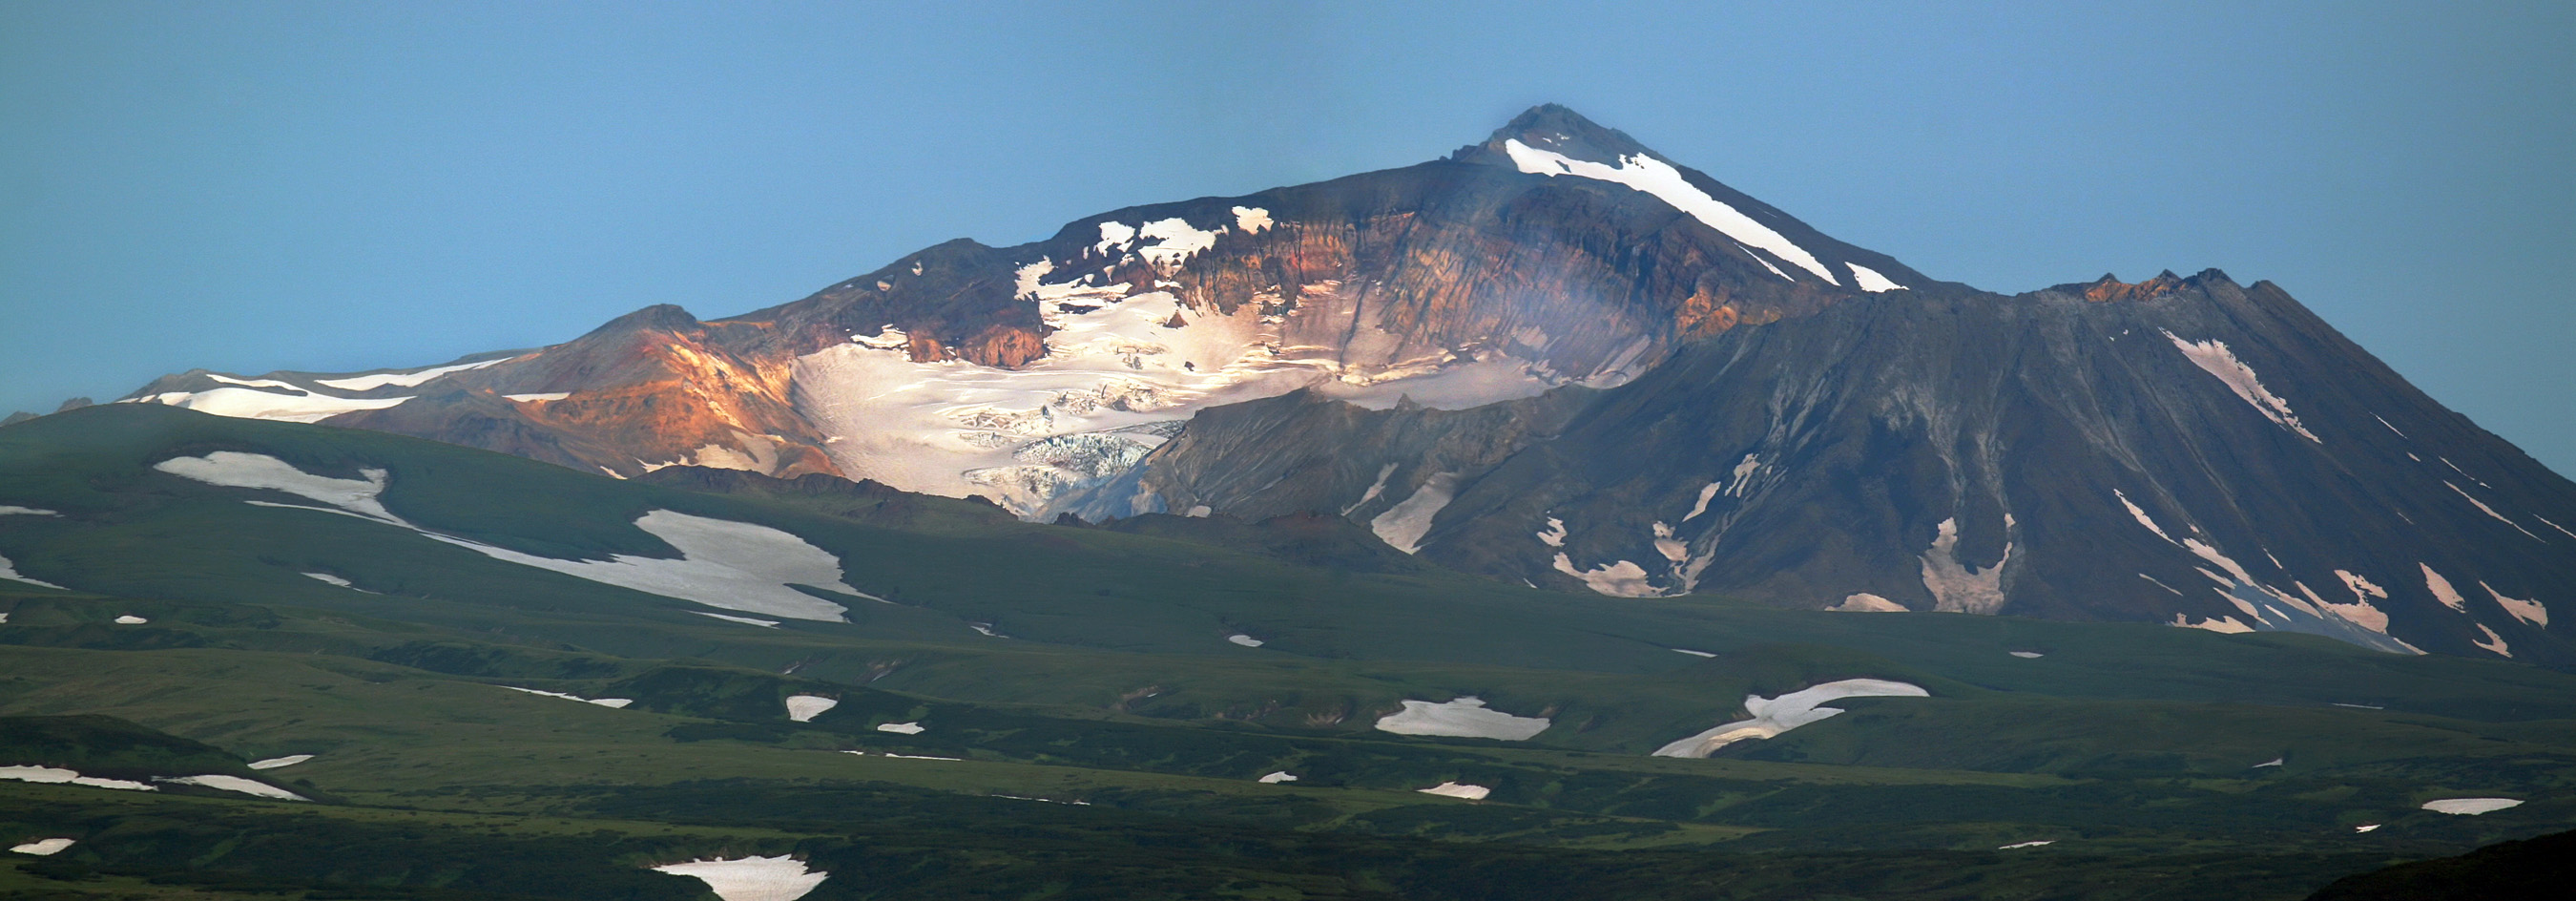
[[1110, 680]]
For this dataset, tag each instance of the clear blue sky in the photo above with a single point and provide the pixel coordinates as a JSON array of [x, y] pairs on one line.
[[252, 186]]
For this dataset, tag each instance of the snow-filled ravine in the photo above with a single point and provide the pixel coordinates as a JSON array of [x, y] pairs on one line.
[[1466, 716], [724, 564], [781, 878], [1773, 716]]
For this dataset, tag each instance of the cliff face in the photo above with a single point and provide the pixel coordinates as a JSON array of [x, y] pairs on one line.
[[1554, 356]]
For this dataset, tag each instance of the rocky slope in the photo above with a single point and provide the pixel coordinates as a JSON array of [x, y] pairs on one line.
[[1555, 357]]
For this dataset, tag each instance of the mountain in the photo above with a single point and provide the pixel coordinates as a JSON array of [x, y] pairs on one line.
[[1557, 358]]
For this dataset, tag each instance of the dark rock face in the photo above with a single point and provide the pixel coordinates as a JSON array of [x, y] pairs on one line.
[[1697, 394], [2187, 451]]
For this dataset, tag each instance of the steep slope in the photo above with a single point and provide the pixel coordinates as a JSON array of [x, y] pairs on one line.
[[2184, 450]]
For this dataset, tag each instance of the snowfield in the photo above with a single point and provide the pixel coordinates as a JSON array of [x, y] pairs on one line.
[[1465, 716], [724, 564], [43, 847], [781, 878], [804, 708], [234, 784], [1773, 716], [2213, 357], [57, 775], [2470, 806], [1457, 790]]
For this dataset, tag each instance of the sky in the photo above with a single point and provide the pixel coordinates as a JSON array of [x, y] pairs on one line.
[[250, 186]]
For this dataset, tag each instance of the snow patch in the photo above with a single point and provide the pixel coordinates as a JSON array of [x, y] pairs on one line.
[[1278, 777], [2277, 761], [2384, 421], [2027, 844], [2470, 807], [723, 564], [131, 620], [1706, 492], [763, 623], [2494, 642], [1554, 534], [538, 398], [611, 703], [1690, 652], [1665, 183], [2213, 357], [404, 379], [10, 572], [1865, 602], [2225, 625], [1464, 716], [911, 728], [235, 469], [804, 708], [2527, 611], [1175, 241], [1672, 548], [2365, 827], [43, 847], [1244, 640], [234, 784], [1374, 489], [329, 579], [9, 510], [59, 776], [1868, 279], [781, 878], [2490, 511], [246, 403], [2442, 590], [1957, 587], [1403, 525], [1618, 578], [1458, 790], [275, 762], [1773, 716], [2026, 655], [1252, 220]]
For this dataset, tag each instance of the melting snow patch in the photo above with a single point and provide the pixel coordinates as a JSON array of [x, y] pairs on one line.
[[405, 379], [275, 762], [724, 564], [1374, 489], [2470, 806], [804, 708], [1865, 602], [2494, 642], [234, 784], [131, 620], [11, 573], [234, 469], [2225, 625], [763, 623], [1278, 777], [912, 728], [2359, 706], [43, 847], [1464, 716], [2442, 590], [1869, 280], [2027, 655], [1252, 220], [2213, 357], [329, 579], [2365, 827], [603, 702], [1404, 524], [1706, 492], [61, 776], [2562, 529], [1773, 716], [2277, 761], [781, 878], [2527, 611], [1655, 177], [1618, 578], [1690, 652], [922, 756], [246, 403], [2141, 516], [1244, 640], [1457, 790], [1957, 587], [2026, 845], [538, 398], [1554, 534], [9, 510], [2490, 511]]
